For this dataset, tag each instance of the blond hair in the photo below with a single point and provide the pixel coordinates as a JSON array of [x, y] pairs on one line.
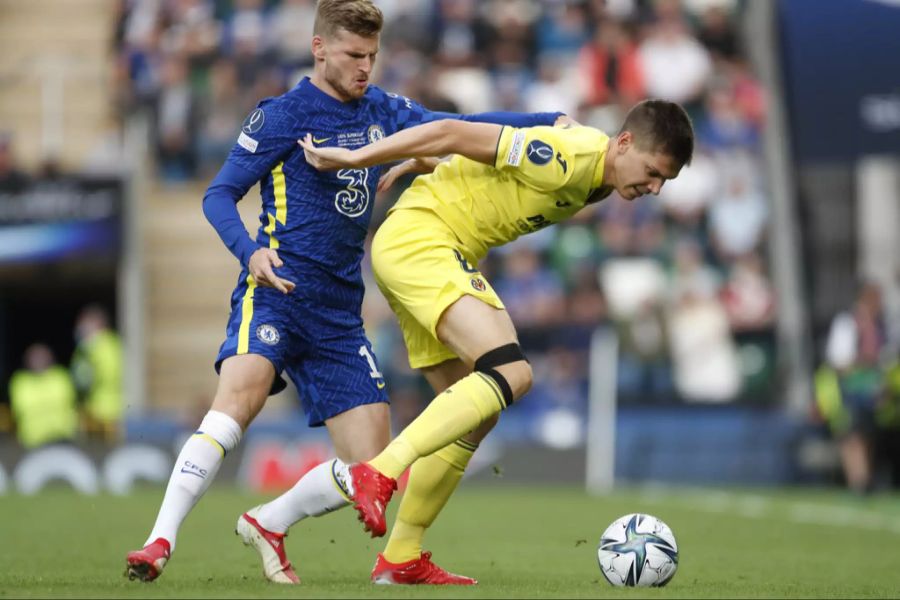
[[361, 17]]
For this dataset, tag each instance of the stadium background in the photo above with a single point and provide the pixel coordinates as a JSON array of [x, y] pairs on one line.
[[716, 298]]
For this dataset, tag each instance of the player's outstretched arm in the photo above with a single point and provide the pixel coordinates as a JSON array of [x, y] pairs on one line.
[[477, 141]]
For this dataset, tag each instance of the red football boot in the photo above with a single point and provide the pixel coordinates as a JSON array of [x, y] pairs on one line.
[[147, 564], [415, 572], [371, 493], [270, 546]]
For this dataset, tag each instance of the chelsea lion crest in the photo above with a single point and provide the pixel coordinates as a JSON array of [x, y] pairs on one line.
[[268, 334], [375, 133]]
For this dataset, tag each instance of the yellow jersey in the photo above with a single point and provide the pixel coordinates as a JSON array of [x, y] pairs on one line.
[[540, 176]]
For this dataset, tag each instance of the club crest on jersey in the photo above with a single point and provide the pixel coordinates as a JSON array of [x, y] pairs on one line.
[[375, 133], [254, 122], [267, 334], [478, 284], [538, 152]]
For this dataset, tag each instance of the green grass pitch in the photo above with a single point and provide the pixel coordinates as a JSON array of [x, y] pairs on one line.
[[520, 542]]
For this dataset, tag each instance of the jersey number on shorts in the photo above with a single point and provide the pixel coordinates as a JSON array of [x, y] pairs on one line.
[[374, 373], [354, 198]]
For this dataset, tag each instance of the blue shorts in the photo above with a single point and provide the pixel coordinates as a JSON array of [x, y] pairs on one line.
[[325, 351]]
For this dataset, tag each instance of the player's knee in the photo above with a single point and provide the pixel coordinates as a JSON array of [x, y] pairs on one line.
[[480, 432], [520, 377], [509, 368]]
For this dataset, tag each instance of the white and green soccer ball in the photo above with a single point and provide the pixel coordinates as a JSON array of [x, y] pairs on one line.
[[638, 550]]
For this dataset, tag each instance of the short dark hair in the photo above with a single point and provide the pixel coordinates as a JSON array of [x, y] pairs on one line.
[[661, 126], [361, 17]]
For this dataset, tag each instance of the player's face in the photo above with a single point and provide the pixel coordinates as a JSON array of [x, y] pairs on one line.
[[347, 61], [640, 172]]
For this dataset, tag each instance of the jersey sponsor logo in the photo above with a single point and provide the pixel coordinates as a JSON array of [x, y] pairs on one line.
[[247, 143], [354, 198], [375, 133], [514, 157], [478, 284], [562, 162], [540, 153], [268, 334], [254, 122]]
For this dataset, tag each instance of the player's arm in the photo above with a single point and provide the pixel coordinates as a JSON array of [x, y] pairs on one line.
[[412, 166], [220, 208], [251, 159], [477, 141]]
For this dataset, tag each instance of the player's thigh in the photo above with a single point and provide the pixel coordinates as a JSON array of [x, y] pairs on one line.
[[445, 374], [361, 433], [244, 384], [337, 373], [472, 328], [422, 269]]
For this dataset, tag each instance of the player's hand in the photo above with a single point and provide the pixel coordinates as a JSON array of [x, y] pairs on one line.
[[565, 121], [325, 159], [412, 165], [260, 266]]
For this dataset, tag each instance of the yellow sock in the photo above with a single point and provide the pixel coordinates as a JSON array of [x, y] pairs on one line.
[[452, 414], [432, 481]]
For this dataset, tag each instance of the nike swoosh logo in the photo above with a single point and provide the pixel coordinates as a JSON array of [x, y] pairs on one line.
[[380, 385], [320, 141]]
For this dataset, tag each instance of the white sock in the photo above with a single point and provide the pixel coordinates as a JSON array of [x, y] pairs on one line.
[[195, 468], [322, 490]]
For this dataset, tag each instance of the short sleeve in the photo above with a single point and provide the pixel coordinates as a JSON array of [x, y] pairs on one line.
[[540, 157]]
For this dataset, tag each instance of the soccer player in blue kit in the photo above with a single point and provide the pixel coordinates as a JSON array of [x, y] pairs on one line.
[[296, 307]]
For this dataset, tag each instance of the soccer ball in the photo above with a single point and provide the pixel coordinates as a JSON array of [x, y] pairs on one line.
[[638, 550]]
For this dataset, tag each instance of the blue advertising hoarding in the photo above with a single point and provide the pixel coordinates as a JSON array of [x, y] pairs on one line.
[[841, 68]]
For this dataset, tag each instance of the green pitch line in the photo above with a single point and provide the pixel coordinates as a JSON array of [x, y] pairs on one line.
[[519, 542]]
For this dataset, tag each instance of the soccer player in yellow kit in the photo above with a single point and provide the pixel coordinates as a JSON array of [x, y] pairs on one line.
[[503, 183]]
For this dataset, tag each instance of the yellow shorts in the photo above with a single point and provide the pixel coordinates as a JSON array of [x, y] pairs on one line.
[[422, 269]]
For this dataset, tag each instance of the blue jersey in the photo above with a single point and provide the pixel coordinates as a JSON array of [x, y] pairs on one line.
[[318, 220]]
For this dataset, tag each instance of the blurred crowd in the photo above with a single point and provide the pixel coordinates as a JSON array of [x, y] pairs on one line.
[[683, 278], [50, 402]]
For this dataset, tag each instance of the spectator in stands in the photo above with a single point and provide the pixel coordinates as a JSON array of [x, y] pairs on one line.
[[221, 109], [12, 179], [676, 66], [176, 120], [748, 295], [97, 373], [850, 383], [738, 213], [609, 66], [43, 400]]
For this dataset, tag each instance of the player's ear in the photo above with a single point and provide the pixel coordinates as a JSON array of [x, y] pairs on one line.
[[624, 141], [318, 47]]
